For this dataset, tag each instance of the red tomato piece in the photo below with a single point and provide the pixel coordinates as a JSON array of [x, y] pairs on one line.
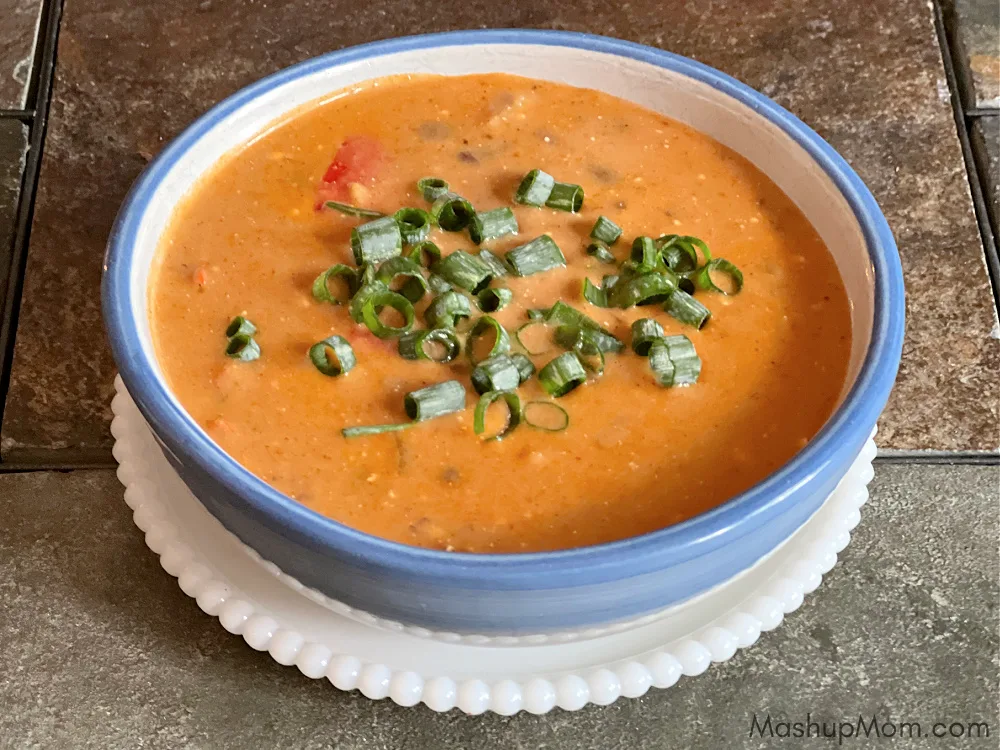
[[357, 160]]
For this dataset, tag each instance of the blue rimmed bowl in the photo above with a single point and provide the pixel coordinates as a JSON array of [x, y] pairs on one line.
[[538, 592]]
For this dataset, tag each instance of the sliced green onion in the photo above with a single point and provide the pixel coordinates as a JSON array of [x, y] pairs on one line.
[[595, 295], [562, 375], [517, 335], [703, 277], [541, 254], [432, 188], [535, 188], [447, 309], [437, 284], [321, 286], [579, 340], [344, 359], [687, 309], [525, 367], [375, 429], [645, 254], [414, 224], [646, 289], [685, 284], [674, 361], [534, 406], [484, 326], [680, 253], [513, 413], [361, 297], [491, 225], [600, 251], [425, 253], [464, 271], [240, 325], [452, 212], [493, 299], [242, 347], [496, 374], [435, 401], [414, 285], [562, 314], [497, 267], [645, 332], [605, 231], [413, 345], [376, 241], [378, 302], [537, 313], [344, 208], [565, 196]]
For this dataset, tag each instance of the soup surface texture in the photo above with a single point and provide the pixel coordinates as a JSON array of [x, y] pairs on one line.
[[635, 456]]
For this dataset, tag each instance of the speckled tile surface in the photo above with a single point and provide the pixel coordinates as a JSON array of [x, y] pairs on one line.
[[986, 134], [118, 98], [100, 649], [19, 22], [13, 147], [978, 32]]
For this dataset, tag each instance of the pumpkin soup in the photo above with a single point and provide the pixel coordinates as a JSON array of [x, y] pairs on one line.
[[494, 314]]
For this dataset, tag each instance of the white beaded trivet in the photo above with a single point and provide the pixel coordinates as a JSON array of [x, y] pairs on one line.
[[230, 583]]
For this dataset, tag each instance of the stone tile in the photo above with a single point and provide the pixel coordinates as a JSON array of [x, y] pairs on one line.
[[100, 649], [13, 148], [977, 29], [986, 138], [867, 75], [18, 34]]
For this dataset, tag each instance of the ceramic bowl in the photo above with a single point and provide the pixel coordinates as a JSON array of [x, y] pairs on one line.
[[589, 587]]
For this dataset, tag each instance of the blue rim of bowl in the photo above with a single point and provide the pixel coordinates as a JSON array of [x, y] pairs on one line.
[[831, 450]]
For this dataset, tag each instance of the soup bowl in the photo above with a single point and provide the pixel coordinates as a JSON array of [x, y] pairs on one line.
[[515, 594]]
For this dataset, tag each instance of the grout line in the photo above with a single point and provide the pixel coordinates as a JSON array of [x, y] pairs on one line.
[[25, 115], [973, 112], [972, 173], [29, 182]]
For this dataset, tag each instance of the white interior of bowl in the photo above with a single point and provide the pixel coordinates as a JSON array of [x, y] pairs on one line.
[[692, 102]]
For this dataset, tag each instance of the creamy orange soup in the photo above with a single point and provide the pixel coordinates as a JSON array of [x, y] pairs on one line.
[[636, 456]]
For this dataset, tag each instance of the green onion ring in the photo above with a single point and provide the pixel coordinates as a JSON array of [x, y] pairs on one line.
[[380, 300], [525, 367], [605, 231], [491, 225], [513, 403], [321, 286], [526, 416], [497, 373], [432, 188], [452, 212], [562, 375], [376, 241], [415, 286], [414, 224], [425, 253], [435, 401], [645, 332], [345, 359], [464, 270], [685, 308], [492, 299], [703, 276], [242, 347], [599, 250], [412, 345], [240, 325], [447, 309], [519, 331], [487, 324], [539, 255], [535, 188]]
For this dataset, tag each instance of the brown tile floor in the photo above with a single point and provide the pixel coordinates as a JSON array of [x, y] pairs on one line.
[[977, 23], [118, 98], [19, 24], [13, 147]]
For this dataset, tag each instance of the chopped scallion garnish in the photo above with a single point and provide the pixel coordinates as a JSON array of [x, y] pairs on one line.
[[376, 241], [486, 326], [447, 309], [414, 224], [242, 347], [535, 188], [452, 212], [541, 254], [344, 208], [565, 196], [513, 404], [534, 415], [491, 225], [497, 373], [599, 250], [432, 188], [414, 345], [605, 231], [703, 276], [687, 309], [425, 253], [343, 360], [562, 375], [645, 332], [376, 303], [493, 299], [464, 270], [413, 287], [525, 367], [321, 286], [435, 401], [240, 325], [674, 361]]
